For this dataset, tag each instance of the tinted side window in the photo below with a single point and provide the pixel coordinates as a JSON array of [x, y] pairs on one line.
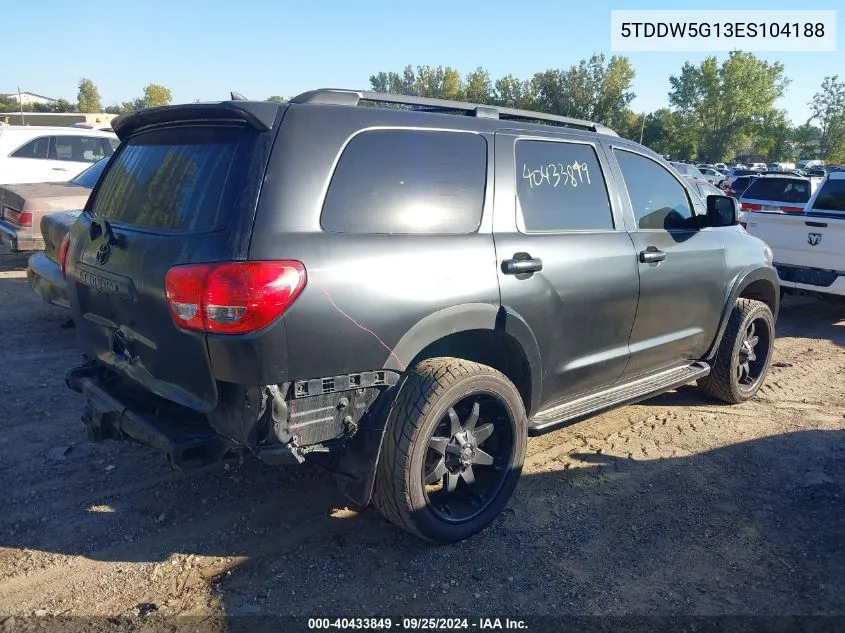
[[36, 148], [80, 149], [831, 197], [408, 181], [560, 187], [658, 199]]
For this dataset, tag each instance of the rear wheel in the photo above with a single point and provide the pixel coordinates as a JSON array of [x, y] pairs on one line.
[[745, 353], [453, 451]]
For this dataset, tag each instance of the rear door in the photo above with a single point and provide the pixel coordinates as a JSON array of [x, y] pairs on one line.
[[172, 194], [566, 265]]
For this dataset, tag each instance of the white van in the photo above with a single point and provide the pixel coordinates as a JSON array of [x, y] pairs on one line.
[[50, 154]]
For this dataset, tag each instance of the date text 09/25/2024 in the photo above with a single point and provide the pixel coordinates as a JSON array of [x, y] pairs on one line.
[[416, 624]]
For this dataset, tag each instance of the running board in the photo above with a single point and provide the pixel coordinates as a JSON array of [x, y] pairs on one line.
[[627, 393]]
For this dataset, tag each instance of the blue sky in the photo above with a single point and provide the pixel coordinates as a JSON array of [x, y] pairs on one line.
[[201, 50]]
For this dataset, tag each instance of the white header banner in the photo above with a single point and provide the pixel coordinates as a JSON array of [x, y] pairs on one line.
[[723, 30]]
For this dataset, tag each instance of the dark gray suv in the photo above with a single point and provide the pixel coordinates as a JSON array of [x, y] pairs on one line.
[[400, 288]]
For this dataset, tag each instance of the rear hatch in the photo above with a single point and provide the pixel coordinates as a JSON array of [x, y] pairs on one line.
[[776, 195], [181, 189]]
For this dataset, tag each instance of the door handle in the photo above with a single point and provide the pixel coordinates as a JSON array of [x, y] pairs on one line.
[[652, 255], [60, 169], [519, 266]]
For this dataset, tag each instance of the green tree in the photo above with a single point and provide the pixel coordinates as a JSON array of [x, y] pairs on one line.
[[277, 99], [775, 138], [510, 92], [828, 108], [595, 89], [156, 95], [88, 97], [725, 106], [479, 87], [806, 140]]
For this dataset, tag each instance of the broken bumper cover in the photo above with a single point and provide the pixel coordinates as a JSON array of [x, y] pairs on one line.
[[107, 417]]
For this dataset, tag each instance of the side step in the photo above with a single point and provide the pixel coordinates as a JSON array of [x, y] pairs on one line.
[[627, 393]]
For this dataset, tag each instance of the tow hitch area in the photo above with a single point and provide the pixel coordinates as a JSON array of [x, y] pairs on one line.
[[186, 442]]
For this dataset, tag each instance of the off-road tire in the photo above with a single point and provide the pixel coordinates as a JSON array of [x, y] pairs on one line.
[[425, 395], [722, 383]]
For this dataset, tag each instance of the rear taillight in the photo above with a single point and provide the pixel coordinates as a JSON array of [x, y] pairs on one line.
[[22, 219], [747, 206], [63, 249], [232, 297], [792, 209]]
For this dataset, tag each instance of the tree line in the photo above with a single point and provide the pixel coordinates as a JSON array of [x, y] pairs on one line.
[[88, 100], [716, 110]]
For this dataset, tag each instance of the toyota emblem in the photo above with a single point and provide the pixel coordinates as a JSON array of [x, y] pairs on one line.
[[103, 253]]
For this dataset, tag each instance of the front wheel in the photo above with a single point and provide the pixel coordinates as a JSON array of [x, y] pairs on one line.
[[453, 450], [744, 355]]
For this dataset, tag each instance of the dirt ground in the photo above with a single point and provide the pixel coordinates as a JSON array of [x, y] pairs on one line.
[[675, 506]]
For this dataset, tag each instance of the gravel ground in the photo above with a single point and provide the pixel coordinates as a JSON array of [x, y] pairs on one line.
[[676, 506]]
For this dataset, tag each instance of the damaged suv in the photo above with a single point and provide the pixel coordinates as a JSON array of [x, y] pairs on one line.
[[402, 288]]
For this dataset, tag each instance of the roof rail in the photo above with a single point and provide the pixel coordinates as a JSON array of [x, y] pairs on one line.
[[338, 96]]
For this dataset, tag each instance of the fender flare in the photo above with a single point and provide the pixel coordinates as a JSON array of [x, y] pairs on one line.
[[355, 470], [744, 279]]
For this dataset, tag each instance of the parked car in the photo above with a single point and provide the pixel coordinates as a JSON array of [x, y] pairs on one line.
[[809, 248], [687, 170], [711, 175], [777, 194], [734, 173], [44, 270], [704, 188], [103, 127], [324, 279], [23, 206], [739, 185], [721, 167], [31, 154]]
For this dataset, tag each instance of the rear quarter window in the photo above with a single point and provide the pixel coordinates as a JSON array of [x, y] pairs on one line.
[[779, 190], [831, 197], [175, 179], [408, 181]]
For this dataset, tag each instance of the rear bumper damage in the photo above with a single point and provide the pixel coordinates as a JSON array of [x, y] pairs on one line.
[[271, 422], [184, 442]]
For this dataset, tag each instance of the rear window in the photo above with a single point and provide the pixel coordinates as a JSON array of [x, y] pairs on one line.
[[408, 181], [779, 190], [831, 197], [172, 179]]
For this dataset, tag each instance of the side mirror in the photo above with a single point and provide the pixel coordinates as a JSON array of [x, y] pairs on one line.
[[721, 211]]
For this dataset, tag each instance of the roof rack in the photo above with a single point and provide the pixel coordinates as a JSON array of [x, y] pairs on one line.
[[338, 96]]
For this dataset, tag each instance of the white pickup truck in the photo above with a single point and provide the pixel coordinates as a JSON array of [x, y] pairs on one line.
[[808, 247]]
